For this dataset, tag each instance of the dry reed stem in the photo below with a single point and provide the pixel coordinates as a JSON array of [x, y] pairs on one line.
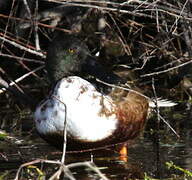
[[22, 77], [63, 168]]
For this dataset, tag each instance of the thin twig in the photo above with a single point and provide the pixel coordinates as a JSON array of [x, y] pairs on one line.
[[7, 25], [22, 77], [36, 26], [169, 126], [123, 88], [27, 8], [91, 165], [23, 47], [156, 104], [22, 58], [167, 70], [64, 130]]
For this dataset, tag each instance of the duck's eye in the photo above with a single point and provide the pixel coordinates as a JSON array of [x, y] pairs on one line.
[[72, 50]]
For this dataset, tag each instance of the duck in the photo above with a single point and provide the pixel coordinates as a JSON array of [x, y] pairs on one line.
[[93, 118]]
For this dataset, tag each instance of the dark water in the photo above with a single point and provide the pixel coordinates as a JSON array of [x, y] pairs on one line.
[[148, 154]]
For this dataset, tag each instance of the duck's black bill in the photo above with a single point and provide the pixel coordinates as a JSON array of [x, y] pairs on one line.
[[92, 67]]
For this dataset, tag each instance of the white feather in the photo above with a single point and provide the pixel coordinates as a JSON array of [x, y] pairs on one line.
[[161, 103], [84, 105]]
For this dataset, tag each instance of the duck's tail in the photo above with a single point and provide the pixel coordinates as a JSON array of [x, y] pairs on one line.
[[161, 103]]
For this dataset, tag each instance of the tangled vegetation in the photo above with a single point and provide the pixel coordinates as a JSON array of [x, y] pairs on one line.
[[147, 42], [140, 40]]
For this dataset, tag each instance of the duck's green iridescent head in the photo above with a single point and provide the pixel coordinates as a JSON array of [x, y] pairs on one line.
[[68, 55], [65, 57]]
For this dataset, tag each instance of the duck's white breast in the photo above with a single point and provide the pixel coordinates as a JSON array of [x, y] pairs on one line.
[[84, 107]]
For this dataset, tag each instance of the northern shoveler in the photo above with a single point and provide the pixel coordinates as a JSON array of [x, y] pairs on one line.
[[93, 119]]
